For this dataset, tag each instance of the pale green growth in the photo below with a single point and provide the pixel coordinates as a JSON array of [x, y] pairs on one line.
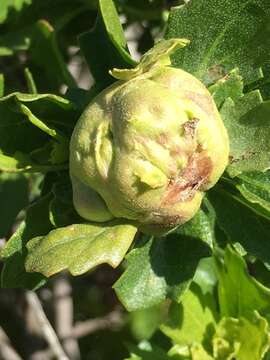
[[148, 146], [159, 55]]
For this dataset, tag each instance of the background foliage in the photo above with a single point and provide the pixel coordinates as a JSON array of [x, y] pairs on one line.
[[200, 293]]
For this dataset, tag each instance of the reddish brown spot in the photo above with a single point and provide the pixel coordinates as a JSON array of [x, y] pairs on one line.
[[194, 176], [190, 127]]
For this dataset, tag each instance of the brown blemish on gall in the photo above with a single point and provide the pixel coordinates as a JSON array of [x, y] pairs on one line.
[[194, 176], [190, 127]]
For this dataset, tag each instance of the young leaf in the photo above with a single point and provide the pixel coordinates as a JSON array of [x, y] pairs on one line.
[[108, 38], [79, 248], [14, 253], [238, 292], [242, 338], [223, 35], [159, 268]]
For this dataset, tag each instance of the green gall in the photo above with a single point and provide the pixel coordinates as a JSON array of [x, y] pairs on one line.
[[148, 147]]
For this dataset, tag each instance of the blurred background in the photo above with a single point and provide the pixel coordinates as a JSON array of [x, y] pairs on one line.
[[82, 315]]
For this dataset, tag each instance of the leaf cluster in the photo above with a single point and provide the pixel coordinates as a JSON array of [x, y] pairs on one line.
[[215, 309]]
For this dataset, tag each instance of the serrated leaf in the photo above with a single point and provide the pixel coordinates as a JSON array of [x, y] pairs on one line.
[[159, 268], [238, 292], [241, 224], [248, 126], [230, 86], [79, 248], [255, 187], [36, 223], [108, 38], [242, 338], [224, 35]]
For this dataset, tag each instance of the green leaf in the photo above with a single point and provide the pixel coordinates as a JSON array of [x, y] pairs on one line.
[[34, 131], [255, 187], [248, 126], [158, 268], [45, 53], [224, 35], [80, 97], [238, 292], [193, 320], [14, 197], [206, 276], [79, 248], [147, 351], [143, 323], [32, 89], [108, 38], [201, 226], [62, 212], [158, 55], [7, 5], [13, 42], [40, 40], [14, 253], [241, 224], [2, 85], [241, 339], [198, 353]]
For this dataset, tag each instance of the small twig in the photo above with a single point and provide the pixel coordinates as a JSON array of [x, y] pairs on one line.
[[112, 320], [45, 326], [7, 352], [63, 305]]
